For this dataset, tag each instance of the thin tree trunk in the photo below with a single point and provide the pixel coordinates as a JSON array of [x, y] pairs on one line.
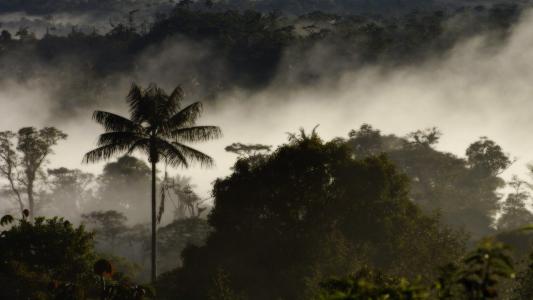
[[17, 193], [31, 201], [154, 221]]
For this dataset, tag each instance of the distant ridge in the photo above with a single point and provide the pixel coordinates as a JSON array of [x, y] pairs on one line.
[[287, 7]]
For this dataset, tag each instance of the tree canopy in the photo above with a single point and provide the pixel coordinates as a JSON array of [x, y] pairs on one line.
[[309, 210], [34, 254], [464, 190]]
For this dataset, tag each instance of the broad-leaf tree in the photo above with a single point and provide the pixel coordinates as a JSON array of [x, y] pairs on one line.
[[21, 164], [463, 190], [515, 213], [35, 146], [159, 128], [283, 222], [37, 254]]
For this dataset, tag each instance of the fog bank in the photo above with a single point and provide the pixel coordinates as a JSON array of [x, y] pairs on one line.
[[472, 92]]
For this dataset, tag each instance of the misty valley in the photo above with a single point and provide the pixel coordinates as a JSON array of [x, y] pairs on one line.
[[266, 150]]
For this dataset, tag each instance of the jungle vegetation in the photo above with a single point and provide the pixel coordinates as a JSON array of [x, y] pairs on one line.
[[363, 216]]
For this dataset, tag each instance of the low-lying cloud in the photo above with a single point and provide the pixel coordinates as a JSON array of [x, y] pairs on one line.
[[472, 91]]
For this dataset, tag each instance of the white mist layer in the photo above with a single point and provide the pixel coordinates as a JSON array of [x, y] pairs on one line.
[[471, 93]]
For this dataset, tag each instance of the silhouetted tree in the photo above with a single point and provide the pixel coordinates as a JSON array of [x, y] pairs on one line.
[[9, 165], [50, 259], [514, 211], [35, 146], [158, 128], [22, 165], [485, 156], [36, 254], [248, 149], [283, 221], [464, 191]]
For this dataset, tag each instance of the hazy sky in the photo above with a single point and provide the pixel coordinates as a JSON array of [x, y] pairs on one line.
[[471, 93]]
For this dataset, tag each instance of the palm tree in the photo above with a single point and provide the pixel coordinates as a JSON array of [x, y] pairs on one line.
[[157, 127]]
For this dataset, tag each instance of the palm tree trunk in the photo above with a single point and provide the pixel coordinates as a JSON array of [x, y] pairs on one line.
[[154, 231]]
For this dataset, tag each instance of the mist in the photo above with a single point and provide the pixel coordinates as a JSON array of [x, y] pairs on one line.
[[474, 90], [478, 84]]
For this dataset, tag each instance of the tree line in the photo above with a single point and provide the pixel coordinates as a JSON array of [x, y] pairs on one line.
[[244, 49], [290, 7], [308, 211]]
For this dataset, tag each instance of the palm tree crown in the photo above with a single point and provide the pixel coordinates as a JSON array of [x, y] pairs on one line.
[[157, 127]]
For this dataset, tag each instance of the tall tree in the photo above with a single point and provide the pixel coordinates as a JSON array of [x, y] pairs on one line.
[[158, 128], [22, 165], [514, 211], [9, 165], [35, 146]]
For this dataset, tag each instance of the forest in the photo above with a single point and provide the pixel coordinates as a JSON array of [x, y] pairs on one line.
[[366, 213]]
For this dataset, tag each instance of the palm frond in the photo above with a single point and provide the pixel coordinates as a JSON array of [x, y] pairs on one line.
[[172, 155], [142, 144], [194, 155], [114, 122], [119, 138], [197, 133], [185, 117], [104, 152], [168, 105], [176, 96], [165, 122], [138, 102], [112, 143]]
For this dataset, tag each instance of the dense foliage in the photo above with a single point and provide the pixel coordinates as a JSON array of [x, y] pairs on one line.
[[464, 191], [36, 253], [478, 276], [283, 222], [52, 259], [371, 216]]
